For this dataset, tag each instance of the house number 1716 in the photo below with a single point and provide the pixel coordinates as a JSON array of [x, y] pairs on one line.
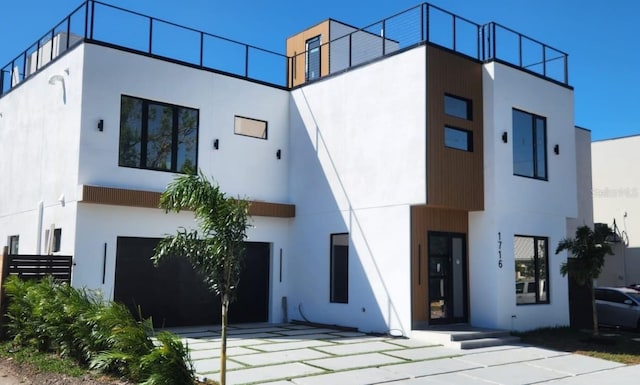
[[499, 250]]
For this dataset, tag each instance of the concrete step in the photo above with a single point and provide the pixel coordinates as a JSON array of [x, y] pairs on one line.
[[465, 337], [486, 342]]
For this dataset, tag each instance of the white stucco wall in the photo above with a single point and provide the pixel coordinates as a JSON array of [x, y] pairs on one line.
[[39, 136], [357, 164], [242, 165], [521, 206], [616, 196]]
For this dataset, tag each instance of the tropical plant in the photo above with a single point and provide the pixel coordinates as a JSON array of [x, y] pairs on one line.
[[55, 317], [588, 250], [166, 364], [217, 252]]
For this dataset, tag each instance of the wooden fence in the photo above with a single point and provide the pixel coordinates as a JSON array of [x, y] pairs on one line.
[[30, 267]]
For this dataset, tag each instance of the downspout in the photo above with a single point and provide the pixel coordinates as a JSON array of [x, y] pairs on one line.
[[39, 235]]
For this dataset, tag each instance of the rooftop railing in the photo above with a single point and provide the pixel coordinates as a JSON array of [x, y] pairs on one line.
[[109, 25], [427, 23]]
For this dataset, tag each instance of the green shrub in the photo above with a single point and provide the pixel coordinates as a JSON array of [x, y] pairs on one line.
[[53, 316], [168, 363]]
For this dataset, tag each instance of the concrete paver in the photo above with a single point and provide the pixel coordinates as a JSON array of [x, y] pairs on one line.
[[279, 357], [574, 365], [355, 362], [431, 367], [363, 347], [425, 353], [514, 374], [351, 377], [270, 373]]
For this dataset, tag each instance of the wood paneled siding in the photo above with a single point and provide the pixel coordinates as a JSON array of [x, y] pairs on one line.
[[423, 220], [151, 199], [454, 177], [297, 47]]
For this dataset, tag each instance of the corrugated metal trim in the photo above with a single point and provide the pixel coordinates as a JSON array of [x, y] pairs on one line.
[[151, 199]]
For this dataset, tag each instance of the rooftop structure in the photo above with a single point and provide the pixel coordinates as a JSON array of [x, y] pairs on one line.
[[101, 23]]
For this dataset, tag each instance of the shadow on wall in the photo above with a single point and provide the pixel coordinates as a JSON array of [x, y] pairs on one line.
[[324, 207], [622, 268]]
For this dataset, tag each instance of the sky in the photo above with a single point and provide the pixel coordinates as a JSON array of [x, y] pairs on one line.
[[601, 38]]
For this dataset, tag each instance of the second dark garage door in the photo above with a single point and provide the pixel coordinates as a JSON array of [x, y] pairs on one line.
[[173, 294]]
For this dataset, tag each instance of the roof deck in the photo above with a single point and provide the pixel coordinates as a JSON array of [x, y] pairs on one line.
[[104, 24]]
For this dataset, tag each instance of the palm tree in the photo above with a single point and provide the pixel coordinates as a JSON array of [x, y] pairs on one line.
[[217, 252], [588, 250]]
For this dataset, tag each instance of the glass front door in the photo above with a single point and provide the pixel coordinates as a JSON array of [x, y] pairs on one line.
[[447, 278]]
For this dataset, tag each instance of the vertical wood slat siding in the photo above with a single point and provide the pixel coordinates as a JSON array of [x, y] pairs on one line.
[[151, 199], [297, 45], [454, 177], [423, 220]]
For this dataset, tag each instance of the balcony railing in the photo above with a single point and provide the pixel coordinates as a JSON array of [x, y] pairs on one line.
[[98, 22]]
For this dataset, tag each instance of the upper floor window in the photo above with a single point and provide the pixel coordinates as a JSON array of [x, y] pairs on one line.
[[250, 127], [532, 269], [457, 107], [157, 136], [458, 139], [529, 145], [313, 58]]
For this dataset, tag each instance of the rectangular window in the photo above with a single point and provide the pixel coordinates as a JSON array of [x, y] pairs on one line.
[[339, 285], [250, 127], [313, 58], [14, 243], [457, 107], [157, 136], [458, 139], [529, 145], [53, 243], [532, 269]]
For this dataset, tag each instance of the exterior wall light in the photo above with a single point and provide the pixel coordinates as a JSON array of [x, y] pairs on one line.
[[216, 144], [100, 125], [556, 149], [279, 154], [505, 137]]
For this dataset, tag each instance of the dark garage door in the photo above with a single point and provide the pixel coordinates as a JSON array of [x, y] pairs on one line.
[[173, 294]]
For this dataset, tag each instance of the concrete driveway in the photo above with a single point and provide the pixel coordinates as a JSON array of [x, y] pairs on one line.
[[297, 354]]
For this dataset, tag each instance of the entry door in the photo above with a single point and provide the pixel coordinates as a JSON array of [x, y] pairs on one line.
[[447, 278]]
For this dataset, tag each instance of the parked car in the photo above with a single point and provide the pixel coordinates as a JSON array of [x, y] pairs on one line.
[[618, 306]]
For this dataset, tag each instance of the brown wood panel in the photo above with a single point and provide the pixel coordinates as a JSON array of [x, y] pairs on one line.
[[455, 178], [296, 48], [151, 199], [423, 220]]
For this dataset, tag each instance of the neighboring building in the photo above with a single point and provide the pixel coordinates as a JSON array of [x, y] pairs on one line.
[[400, 178], [616, 202]]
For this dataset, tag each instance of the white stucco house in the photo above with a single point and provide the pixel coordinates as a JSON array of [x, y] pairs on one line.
[[401, 176], [616, 202]]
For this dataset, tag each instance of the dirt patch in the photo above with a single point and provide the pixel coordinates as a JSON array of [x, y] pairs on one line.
[[13, 373]]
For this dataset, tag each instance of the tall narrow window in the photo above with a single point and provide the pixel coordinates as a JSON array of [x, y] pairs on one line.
[[53, 241], [532, 269], [14, 243], [339, 280], [157, 136], [313, 58], [529, 145]]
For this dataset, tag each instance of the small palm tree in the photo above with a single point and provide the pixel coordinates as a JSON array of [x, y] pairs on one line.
[[588, 250], [217, 252]]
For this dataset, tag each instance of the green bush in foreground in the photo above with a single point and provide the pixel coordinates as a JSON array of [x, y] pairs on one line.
[[55, 317]]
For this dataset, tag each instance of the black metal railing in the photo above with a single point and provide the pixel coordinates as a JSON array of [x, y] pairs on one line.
[[106, 24], [432, 24]]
